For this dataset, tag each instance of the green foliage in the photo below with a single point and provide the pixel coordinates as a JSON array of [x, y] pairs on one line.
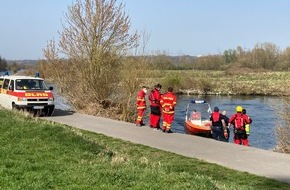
[[37, 154], [172, 80], [230, 56]]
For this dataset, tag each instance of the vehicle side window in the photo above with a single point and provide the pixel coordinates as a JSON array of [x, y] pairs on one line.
[[12, 84], [6, 84], [1, 83]]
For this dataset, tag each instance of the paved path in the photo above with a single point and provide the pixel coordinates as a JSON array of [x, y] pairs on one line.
[[256, 161]]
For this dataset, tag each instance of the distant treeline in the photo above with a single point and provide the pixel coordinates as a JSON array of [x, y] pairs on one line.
[[15, 66], [263, 56]]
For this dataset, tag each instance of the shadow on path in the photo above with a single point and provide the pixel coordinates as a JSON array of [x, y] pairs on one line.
[[58, 112]]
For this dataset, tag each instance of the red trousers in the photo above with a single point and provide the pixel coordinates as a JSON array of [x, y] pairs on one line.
[[244, 142], [155, 120], [167, 121], [240, 137], [139, 120]]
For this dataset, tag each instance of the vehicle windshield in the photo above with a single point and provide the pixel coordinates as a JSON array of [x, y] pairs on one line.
[[30, 84]]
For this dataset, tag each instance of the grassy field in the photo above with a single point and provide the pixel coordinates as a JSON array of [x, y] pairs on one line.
[[225, 82], [37, 154]]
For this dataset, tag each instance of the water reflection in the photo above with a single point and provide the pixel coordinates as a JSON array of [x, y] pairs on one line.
[[259, 108]]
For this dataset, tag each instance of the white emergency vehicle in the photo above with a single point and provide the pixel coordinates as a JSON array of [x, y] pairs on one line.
[[26, 93]]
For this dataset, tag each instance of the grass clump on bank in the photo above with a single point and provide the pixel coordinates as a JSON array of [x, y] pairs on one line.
[[37, 154]]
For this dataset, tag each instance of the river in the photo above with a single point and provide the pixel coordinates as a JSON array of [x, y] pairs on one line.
[[259, 108]]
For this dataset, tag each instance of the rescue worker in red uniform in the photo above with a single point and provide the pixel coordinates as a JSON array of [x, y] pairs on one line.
[[168, 102], [218, 126], [155, 114], [141, 106], [239, 121]]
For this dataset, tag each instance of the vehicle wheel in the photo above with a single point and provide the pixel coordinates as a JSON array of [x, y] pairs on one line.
[[50, 112]]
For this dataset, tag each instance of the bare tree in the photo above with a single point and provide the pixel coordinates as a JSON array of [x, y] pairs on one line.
[[284, 60], [95, 36], [264, 56], [135, 72]]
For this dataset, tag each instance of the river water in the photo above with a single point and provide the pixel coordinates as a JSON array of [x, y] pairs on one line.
[[259, 108]]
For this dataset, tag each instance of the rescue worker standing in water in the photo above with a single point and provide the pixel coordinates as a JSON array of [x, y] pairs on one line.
[[155, 107], [168, 102], [141, 106], [239, 121]]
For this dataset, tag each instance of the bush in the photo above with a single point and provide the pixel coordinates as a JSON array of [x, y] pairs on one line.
[[172, 80]]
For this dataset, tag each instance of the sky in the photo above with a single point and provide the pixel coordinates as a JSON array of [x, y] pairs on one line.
[[175, 27]]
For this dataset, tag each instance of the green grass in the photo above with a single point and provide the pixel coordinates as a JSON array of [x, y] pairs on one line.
[[37, 154]]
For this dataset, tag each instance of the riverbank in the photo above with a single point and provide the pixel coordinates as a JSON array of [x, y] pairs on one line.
[[196, 82], [47, 155]]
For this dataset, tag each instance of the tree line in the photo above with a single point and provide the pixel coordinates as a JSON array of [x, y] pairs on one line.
[[264, 56], [17, 66]]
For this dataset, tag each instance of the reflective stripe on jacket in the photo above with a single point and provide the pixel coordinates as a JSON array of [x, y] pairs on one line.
[[168, 102], [141, 102]]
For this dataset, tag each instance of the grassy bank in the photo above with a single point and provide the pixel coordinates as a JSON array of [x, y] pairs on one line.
[[37, 154]]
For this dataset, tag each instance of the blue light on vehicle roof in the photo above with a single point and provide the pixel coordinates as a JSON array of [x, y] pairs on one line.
[[6, 73], [198, 101], [37, 74]]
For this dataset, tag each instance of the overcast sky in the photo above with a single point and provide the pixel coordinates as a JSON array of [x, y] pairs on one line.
[[177, 27]]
